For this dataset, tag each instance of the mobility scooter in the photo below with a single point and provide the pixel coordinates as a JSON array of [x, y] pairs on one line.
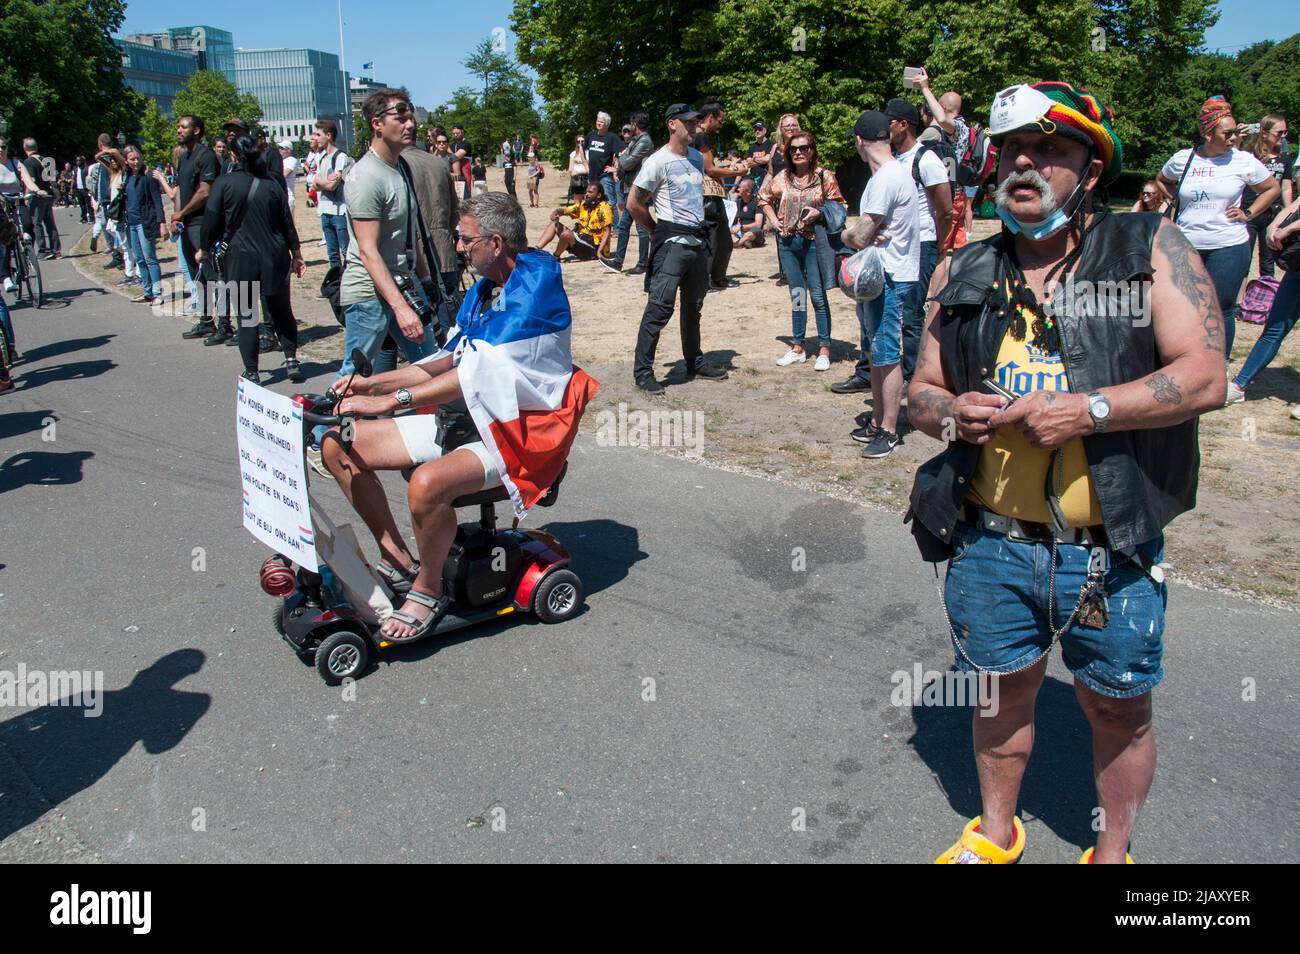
[[490, 572]]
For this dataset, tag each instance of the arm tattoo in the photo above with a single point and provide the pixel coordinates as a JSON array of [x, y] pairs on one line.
[[1166, 392], [932, 401], [1193, 284]]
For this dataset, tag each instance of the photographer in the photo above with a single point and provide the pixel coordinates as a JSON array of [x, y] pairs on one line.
[[380, 290]]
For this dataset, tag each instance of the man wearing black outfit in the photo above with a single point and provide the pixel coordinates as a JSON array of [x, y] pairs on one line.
[[44, 229], [679, 251], [195, 174], [715, 210], [760, 153]]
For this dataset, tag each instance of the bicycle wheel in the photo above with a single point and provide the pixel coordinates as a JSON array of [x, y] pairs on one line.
[[35, 286]]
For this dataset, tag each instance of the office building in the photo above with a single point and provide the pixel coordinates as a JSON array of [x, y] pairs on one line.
[[295, 88], [155, 71]]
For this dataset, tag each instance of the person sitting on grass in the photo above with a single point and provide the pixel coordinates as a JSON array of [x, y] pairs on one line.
[[594, 218]]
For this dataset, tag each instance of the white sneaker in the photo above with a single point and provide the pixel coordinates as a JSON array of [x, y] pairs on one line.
[[1235, 394], [1295, 411], [9, 284], [791, 357], [823, 363]]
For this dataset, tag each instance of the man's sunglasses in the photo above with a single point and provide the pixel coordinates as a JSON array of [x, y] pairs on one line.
[[399, 110]]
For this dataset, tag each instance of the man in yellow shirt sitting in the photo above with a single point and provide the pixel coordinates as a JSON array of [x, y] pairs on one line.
[[594, 218]]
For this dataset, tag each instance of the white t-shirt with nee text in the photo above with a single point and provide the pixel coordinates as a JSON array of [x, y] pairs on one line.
[[1211, 188], [340, 162], [677, 186], [933, 172], [891, 194]]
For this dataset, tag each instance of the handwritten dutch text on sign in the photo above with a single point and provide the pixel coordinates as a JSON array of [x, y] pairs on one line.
[[276, 509]]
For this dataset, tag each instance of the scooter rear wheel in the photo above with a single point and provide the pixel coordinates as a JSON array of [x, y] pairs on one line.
[[342, 655], [558, 597]]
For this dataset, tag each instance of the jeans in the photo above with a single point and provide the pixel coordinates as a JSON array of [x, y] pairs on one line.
[[144, 249], [624, 234], [193, 306], [1002, 613], [803, 270], [1227, 268], [880, 322], [1256, 227], [368, 324], [675, 266], [1281, 319], [914, 308], [334, 229], [613, 195], [7, 322]]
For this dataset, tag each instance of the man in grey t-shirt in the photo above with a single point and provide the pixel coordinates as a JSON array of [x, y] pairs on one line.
[[383, 242], [670, 181]]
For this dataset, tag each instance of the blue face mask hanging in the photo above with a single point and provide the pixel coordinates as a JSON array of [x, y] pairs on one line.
[[1037, 231]]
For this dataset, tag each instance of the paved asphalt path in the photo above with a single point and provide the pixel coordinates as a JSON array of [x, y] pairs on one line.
[[771, 687]]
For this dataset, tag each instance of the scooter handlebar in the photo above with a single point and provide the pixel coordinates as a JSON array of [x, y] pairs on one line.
[[328, 420]]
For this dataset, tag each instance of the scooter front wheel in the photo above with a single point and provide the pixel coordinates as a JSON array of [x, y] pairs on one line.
[[342, 655]]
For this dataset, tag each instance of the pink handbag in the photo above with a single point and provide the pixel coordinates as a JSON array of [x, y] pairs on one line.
[[1257, 300]]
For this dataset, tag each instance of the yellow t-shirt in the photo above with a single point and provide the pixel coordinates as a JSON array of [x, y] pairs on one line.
[[591, 222], [1011, 476]]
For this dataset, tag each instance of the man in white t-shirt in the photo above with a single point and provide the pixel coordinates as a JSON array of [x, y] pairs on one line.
[[672, 181], [290, 167], [330, 172], [888, 218], [934, 206]]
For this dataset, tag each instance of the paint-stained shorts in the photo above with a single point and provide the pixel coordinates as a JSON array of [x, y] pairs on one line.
[[997, 596]]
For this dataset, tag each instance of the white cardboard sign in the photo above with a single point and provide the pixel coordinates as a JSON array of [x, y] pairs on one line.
[[276, 508]]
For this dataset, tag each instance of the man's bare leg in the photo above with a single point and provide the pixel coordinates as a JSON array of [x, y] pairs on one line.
[[564, 243], [434, 485], [548, 236], [1002, 746], [1123, 764], [376, 445], [887, 395]]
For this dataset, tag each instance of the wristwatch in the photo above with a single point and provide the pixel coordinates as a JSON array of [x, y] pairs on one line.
[[403, 397], [1098, 410]]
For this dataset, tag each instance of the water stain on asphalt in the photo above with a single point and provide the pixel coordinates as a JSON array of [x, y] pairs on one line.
[[823, 533]]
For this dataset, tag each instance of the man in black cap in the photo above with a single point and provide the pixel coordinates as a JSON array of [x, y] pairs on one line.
[[888, 208], [934, 195], [760, 154], [233, 127], [672, 180]]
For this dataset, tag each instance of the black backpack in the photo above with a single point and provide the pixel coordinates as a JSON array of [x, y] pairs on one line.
[[947, 155]]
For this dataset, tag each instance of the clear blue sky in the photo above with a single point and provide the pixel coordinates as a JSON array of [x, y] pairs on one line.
[[421, 47]]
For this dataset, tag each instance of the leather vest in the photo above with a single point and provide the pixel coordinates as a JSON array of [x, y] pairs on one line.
[[1143, 478]]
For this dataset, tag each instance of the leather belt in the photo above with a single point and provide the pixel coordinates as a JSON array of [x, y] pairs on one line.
[[1032, 531]]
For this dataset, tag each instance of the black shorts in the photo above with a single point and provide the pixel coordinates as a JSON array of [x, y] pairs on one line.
[[582, 248]]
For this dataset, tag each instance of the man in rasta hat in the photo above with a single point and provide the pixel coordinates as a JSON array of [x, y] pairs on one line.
[[1065, 363]]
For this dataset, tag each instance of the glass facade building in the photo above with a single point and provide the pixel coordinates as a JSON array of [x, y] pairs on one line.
[[214, 48], [157, 73], [295, 88]]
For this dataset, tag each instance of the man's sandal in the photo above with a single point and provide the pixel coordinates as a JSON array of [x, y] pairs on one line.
[[1086, 858], [972, 848], [422, 627], [398, 580]]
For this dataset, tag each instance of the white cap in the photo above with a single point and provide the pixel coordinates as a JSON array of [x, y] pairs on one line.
[[285, 144], [1017, 107]]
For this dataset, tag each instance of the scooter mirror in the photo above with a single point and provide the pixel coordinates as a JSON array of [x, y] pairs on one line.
[[361, 362]]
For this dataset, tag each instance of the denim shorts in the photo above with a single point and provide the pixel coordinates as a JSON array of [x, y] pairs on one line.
[[997, 596], [882, 319]]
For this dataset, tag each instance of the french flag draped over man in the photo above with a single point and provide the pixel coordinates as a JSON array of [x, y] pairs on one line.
[[517, 375]]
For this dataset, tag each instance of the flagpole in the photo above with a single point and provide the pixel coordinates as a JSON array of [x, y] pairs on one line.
[[343, 63]]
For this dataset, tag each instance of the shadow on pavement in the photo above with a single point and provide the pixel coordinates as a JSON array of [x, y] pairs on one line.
[[1058, 788], [62, 751], [22, 422], [73, 371], [42, 469], [56, 348]]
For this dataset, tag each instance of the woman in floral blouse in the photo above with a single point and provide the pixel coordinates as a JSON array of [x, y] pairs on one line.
[[792, 199]]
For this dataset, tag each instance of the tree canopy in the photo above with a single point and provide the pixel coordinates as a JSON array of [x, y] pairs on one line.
[[211, 96], [827, 60], [61, 74]]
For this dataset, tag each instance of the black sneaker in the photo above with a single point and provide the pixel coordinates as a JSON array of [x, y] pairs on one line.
[[866, 433], [707, 371], [253, 376], [650, 386], [882, 445], [863, 419], [233, 340], [294, 370], [638, 270], [266, 343], [611, 264], [853, 385], [781, 282], [220, 336], [201, 329]]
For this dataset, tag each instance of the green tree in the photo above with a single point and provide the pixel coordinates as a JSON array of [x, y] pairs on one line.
[[503, 108], [209, 95], [157, 135], [61, 74]]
